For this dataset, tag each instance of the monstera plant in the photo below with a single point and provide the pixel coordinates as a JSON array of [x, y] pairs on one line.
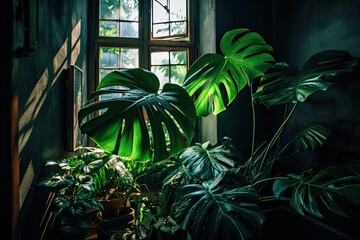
[[138, 122], [217, 191]]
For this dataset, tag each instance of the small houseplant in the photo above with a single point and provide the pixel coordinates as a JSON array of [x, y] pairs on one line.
[[71, 180], [216, 188]]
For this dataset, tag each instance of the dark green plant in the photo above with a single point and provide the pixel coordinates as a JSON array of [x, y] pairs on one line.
[[71, 180], [113, 180], [216, 193]]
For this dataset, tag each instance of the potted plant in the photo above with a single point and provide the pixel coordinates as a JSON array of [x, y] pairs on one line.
[[219, 194], [71, 180], [113, 185]]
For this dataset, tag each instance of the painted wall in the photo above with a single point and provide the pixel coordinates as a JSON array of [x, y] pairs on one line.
[[40, 81], [303, 28]]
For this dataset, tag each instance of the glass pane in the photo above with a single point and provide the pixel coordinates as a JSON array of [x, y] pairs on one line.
[[161, 30], [162, 72], [178, 57], [160, 58], [177, 28], [109, 29], [129, 10], [109, 9], [178, 74], [178, 10], [129, 29], [160, 11], [129, 58], [109, 57]]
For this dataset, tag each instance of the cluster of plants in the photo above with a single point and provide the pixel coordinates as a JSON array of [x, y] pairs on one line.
[[210, 191], [82, 183]]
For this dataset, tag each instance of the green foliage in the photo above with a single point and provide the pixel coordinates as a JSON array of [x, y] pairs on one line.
[[332, 187], [220, 208], [246, 56], [72, 181], [216, 194], [123, 128], [206, 162], [285, 84]]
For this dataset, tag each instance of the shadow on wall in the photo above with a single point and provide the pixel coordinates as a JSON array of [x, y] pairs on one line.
[[31, 128]]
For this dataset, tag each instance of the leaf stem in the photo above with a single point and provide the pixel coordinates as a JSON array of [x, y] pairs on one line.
[[276, 136], [268, 179], [253, 120]]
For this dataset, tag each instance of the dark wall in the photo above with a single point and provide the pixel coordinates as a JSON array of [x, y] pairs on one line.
[[236, 121], [297, 30], [40, 81], [303, 28]]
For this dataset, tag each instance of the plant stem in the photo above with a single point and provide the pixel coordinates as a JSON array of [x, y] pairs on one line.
[[253, 120], [273, 198], [276, 136], [268, 179]]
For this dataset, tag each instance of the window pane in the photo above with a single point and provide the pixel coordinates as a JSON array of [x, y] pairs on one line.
[[178, 74], [109, 9], [129, 58], [129, 10], [160, 12], [178, 28], [109, 29], [178, 57], [109, 57], [169, 66], [169, 19], [162, 72], [119, 18], [160, 58], [161, 30], [129, 29], [117, 58], [178, 10]]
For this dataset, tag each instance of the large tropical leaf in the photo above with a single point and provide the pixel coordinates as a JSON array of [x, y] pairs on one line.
[[206, 162], [330, 187], [310, 138], [285, 84], [138, 122], [221, 208], [246, 56]]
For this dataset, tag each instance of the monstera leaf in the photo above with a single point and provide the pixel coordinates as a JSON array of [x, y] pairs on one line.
[[285, 84], [221, 208], [310, 138], [246, 56], [137, 122], [331, 187], [206, 161]]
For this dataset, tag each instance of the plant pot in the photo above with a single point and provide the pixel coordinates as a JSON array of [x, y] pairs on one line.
[[108, 227], [131, 233], [112, 208]]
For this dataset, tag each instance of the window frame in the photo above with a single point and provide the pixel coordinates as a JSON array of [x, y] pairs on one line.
[[144, 43]]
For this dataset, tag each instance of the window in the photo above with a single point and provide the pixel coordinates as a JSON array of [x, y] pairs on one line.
[[154, 34]]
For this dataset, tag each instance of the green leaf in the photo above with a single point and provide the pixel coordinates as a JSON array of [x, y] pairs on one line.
[[246, 56], [207, 162], [310, 138], [138, 122], [222, 208], [329, 187], [285, 84]]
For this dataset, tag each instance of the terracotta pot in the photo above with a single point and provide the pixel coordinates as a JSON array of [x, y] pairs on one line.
[[108, 227], [112, 208]]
